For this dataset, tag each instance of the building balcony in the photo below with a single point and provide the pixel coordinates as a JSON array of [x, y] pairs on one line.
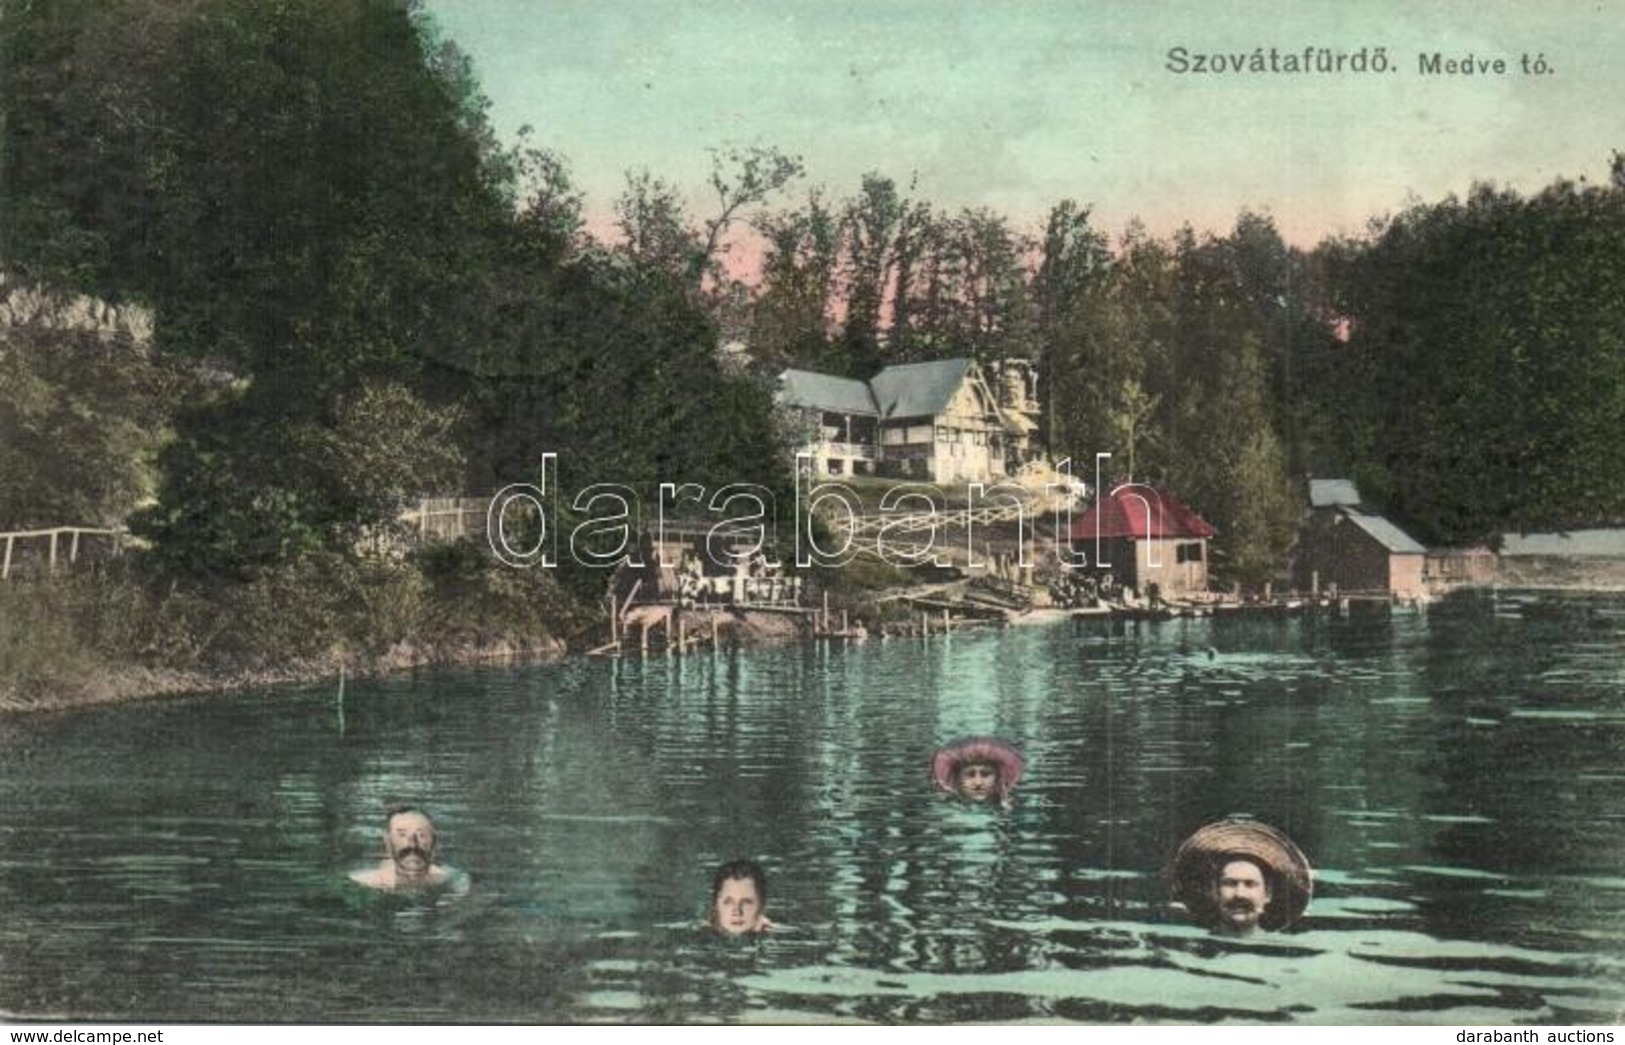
[[830, 448]]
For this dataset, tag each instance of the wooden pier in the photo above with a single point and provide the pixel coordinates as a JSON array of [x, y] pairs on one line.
[[1280, 607]]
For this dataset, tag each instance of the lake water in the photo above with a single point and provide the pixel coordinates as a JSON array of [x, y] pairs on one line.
[[1457, 777]]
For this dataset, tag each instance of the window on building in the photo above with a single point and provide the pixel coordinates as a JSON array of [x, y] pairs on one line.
[[1188, 551]]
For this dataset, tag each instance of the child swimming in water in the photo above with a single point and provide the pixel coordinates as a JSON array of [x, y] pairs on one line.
[[978, 769]]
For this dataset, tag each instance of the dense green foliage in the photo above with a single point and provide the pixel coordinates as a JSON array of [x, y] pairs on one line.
[[85, 384], [356, 299], [1482, 388], [378, 302]]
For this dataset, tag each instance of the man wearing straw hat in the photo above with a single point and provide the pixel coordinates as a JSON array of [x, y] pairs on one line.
[[1237, 875]]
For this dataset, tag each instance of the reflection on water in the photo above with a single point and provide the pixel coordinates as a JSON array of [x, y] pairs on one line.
[[1456, 778]]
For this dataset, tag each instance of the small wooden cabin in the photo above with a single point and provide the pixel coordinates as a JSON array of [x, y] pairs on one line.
[[1142, 536], [1359, 552]]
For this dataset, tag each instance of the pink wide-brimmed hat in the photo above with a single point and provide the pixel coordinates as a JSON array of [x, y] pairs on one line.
[[1197, 863], [989, 750]]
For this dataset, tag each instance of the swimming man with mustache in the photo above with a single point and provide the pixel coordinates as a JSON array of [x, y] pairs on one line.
[[410, 839]]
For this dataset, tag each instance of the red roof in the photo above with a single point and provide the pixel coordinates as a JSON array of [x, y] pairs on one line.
[[1139, 512]]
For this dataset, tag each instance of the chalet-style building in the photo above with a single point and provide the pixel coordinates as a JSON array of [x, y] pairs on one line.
[[1342, 544], [940, 421], [1143, 536]]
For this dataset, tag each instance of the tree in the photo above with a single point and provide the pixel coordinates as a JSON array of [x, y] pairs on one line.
[[741, 178], [1101, 326], [869, 225], [299, 192], [654, 230], [961, 287], [1492, 334], [658, 235], [83, 410], [550, 207], [792, 315]]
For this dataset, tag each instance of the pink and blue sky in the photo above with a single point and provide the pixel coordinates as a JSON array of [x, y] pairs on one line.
[[1015, 104]]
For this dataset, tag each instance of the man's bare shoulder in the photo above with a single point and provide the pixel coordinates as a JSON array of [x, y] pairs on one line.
[[380, 877], [384, 877]]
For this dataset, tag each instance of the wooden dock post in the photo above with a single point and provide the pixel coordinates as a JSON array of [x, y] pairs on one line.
[[340, 700]]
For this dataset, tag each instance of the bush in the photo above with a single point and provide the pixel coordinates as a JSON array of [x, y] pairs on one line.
[[480, 601]]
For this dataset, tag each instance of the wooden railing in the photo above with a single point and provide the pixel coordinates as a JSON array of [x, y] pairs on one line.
[[440, 518], [836, 448], [999, 510], [55, 537], [448, 518]]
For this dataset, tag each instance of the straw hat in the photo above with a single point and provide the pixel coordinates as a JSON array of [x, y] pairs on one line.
[[1199, 860], [989, 750]]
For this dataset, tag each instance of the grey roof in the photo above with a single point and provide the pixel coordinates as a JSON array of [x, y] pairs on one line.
[[823, 392], [1575, 542], [1329, 493], [1385, 533], [918, 389]]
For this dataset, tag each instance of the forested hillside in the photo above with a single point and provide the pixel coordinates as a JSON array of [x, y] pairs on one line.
[[352, 294]]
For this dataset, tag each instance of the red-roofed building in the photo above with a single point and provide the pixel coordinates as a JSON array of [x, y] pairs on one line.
[[1143, 536]]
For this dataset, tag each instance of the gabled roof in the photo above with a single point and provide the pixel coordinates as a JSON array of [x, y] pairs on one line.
[[1139, 512], [1330, 493], [918, 389], [841, 395], [1385, 533], [907, 390]]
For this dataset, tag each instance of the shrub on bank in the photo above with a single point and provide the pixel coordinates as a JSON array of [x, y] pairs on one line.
[[95, 631], [41, 641]]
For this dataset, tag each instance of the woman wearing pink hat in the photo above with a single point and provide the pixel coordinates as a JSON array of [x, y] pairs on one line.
[[978, 769]]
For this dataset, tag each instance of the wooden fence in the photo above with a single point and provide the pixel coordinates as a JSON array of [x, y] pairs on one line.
[[448, 518], [55, 541], [45, 550]]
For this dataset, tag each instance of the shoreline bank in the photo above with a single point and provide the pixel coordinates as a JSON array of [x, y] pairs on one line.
[[137, 683], [110, 685]]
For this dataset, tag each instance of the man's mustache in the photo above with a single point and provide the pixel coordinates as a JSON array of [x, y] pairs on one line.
[[412, 850]]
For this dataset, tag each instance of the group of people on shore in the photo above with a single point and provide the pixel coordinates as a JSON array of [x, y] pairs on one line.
[[1234, 875]]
